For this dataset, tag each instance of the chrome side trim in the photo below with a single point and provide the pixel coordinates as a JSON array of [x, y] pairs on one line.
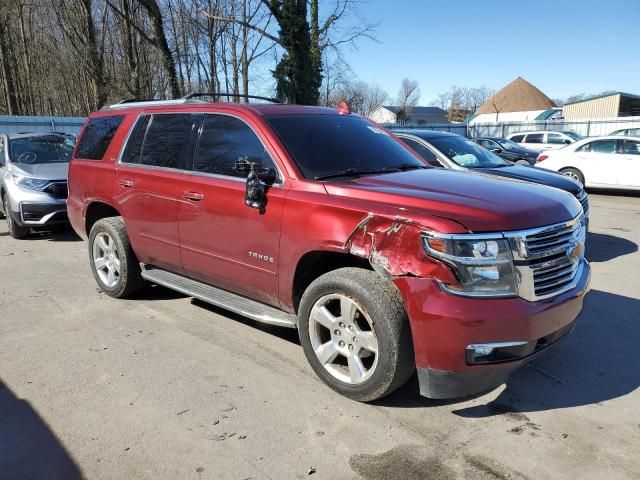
[[246, 307]]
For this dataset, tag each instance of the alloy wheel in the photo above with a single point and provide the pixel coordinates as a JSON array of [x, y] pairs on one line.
[[343, 338], [573, 176], [106, 259]]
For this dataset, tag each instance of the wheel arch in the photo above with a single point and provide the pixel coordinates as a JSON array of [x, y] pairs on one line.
[[97, 210], [318, 262]]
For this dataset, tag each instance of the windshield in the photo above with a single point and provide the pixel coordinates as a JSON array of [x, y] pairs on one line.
[[41, 149], [322, 145], [466, 153], [508, 144], [573, 135]]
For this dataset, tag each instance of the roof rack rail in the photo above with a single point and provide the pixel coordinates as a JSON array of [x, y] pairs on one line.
[[215, 95], [132, 100]]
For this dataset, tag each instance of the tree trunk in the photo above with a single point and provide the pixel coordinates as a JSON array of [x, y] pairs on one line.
[[155, 15], [7, 74]]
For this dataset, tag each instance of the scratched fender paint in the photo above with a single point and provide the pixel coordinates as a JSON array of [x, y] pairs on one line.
[[393, 246]]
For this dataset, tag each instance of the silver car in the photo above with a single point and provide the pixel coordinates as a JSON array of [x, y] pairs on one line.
[[33, 180]]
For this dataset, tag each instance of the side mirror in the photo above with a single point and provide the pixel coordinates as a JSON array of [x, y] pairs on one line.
[[255, 193], [567, 142], [496, 150]]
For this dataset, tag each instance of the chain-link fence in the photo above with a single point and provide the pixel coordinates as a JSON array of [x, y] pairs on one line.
[[587, 128]]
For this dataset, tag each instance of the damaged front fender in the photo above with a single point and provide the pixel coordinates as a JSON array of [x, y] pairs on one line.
[[393, 246]]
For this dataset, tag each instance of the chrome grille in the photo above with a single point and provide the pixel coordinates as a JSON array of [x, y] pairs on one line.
[[548, 259], [57, 190], [584, 200]]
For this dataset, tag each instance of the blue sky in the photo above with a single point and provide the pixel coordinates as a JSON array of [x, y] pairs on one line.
[[562, 47]]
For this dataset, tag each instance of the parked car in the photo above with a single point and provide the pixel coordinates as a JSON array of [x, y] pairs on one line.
[[608, 162], [317, 219], [33, 180], [508, 150], [627, 132], [451, 151], [544, 140]]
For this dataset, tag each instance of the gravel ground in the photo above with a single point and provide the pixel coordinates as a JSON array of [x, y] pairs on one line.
[[166, 387]]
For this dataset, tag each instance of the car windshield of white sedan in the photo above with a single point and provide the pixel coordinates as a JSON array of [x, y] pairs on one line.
[[466, 153], [41, 149], [574, 135]]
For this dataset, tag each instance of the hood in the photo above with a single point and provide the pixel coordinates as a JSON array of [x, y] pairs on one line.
[[482, 203], [536, 175], [44, 171], [523, 151]]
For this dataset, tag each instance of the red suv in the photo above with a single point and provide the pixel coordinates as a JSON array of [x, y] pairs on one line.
[[318, 219]]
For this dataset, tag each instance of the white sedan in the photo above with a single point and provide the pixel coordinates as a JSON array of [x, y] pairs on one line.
[[606, 162]]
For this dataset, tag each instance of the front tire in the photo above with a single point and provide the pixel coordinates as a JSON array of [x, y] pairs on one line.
[[16, 231], [574, 174], [113, 262], [355, 333]]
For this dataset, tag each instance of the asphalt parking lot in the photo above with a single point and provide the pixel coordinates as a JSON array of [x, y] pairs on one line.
[[164, 386]]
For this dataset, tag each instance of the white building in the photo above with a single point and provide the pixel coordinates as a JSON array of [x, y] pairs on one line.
[[416, 115]]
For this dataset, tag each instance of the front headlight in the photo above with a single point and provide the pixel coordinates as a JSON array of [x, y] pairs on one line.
[[30, 183], [483, 264]]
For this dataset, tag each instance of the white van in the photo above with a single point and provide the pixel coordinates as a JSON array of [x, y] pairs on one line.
[[543, 140]]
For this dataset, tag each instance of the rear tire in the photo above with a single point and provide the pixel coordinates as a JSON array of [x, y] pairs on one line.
[[113, 263], [355, 333], [574, 174], [16, 231], [522, 162]]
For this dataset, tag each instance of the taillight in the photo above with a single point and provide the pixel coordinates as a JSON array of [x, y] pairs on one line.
[[542, 157]]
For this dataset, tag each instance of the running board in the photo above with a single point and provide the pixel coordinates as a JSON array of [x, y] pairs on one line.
[[220, 298]]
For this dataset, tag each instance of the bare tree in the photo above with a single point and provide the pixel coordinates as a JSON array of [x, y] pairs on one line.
[[362, 97], [408, 97]]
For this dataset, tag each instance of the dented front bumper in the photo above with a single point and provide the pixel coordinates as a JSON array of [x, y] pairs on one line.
[[443, 326]]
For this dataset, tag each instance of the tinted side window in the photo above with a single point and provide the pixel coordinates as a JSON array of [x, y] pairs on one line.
[[167, 141], [423, 151], [534, 138], [555, 138], [134, 145], [631, 148], [599, 146], [517, 138], [97, 136], [225, 140]]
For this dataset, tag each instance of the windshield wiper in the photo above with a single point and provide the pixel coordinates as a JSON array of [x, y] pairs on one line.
[[405, 166], [350, 172], [354, 172]]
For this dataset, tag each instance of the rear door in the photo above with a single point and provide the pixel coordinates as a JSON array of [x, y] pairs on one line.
[[534, 141], [629, 173], [148, 184], [223, 241], [599, 161]]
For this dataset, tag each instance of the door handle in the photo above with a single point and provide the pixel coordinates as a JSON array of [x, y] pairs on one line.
[[126, 183], [193, 196]]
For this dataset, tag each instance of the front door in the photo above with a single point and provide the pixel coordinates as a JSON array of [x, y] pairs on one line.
[[148, 184], [223, 241]]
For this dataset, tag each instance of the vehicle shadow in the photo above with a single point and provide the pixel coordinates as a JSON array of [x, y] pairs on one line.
[[601, 247], [28, 448], [284, 333], [55, 235]]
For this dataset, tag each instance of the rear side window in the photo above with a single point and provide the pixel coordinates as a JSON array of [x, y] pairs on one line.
[[423, 151], [226, 140], [168, 139], [134, 146], [534, 138], [599, 146], [97, 136], [555, 138], [517, 138]]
